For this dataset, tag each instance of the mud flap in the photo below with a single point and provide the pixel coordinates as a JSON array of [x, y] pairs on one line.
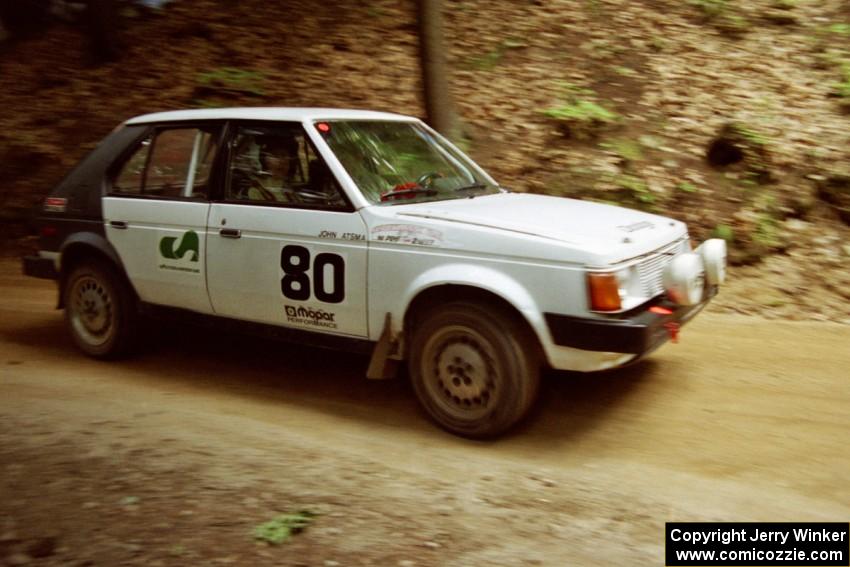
[[381, 366]]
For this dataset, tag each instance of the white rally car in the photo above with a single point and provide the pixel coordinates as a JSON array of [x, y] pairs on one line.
[[366, 231]]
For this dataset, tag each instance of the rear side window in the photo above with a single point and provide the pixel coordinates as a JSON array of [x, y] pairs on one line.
[[169, 163], [129, 179]]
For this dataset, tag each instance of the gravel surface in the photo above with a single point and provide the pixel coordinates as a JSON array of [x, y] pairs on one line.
[[175, 456]]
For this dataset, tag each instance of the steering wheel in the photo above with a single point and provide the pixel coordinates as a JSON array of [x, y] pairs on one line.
[[311, 196], [426, 180]]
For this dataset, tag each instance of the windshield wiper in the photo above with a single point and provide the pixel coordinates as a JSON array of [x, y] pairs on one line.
[[471, 186]]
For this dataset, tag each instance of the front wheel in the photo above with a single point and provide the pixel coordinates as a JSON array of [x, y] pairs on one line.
[[99, 311], [475, 369]]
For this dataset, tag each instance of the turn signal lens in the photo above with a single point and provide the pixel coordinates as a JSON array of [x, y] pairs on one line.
[[604, 292]]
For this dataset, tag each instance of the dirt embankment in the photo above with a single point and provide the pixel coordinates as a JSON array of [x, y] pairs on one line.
[[731, 116]]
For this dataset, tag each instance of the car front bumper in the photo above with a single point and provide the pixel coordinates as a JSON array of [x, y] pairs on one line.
[[612, 341]]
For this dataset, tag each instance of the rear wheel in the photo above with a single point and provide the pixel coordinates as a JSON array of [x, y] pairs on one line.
[[99, 310], [475, 369]]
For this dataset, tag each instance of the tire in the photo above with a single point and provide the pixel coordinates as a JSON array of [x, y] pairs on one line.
[[100, 311], [475, 369]]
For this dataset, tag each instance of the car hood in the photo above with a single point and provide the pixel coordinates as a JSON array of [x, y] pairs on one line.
[[593, 227]]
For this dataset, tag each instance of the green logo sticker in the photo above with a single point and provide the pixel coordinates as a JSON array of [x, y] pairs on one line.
[[177, 252], [189, 243]]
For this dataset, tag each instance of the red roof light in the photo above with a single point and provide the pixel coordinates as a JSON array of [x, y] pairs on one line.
[[323, 127]]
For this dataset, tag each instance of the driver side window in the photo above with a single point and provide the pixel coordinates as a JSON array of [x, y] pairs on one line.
[[277, 165]]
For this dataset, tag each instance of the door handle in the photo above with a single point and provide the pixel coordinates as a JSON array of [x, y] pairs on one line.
[[118, 224], [230, 233]]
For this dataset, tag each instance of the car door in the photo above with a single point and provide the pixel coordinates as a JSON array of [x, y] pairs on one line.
[[284, 245], [156, 211]]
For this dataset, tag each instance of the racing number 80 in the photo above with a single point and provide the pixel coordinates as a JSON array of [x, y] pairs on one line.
[[295, 284]]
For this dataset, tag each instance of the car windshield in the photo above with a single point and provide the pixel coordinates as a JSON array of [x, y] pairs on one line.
[[401, 162]]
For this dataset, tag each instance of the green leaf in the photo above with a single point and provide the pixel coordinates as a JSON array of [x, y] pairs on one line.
[[725, 232], [842, 29], [281, 528], [582, 111]]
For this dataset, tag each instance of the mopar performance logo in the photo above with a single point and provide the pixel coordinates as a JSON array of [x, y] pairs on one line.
[[181, 254], [310, 316]]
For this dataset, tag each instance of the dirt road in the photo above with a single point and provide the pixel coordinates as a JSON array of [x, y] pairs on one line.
[[173, 457]]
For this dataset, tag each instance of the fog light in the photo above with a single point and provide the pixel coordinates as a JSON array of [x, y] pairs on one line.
[[713, 253], [684, 279]]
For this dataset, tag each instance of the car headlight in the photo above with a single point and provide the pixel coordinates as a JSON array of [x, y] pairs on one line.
[[629, 283]]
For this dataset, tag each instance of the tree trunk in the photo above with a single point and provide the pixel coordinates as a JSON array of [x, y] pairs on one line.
[[102, 19], [435, 74], [20, 19]]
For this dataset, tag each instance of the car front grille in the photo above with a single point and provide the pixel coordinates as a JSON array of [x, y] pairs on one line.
[[651, 269]]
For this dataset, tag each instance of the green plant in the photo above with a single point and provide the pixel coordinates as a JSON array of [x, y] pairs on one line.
[[687, 187], [840, 29], [766, 232], [749, 180], [637, 187], [489, 60], [659, 43], [232, 78], [631, 191], [514, 43], [579, 115], [626, 149], [281, 528], [579, 106], [593, 6], [832, 57], [710, 8], [842, 89], [725, 232], [582, 111], [734, 24], [625, 71], [723, 15], [750, 135]]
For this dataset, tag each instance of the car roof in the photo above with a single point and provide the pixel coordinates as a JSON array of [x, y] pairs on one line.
[[266, 113]]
